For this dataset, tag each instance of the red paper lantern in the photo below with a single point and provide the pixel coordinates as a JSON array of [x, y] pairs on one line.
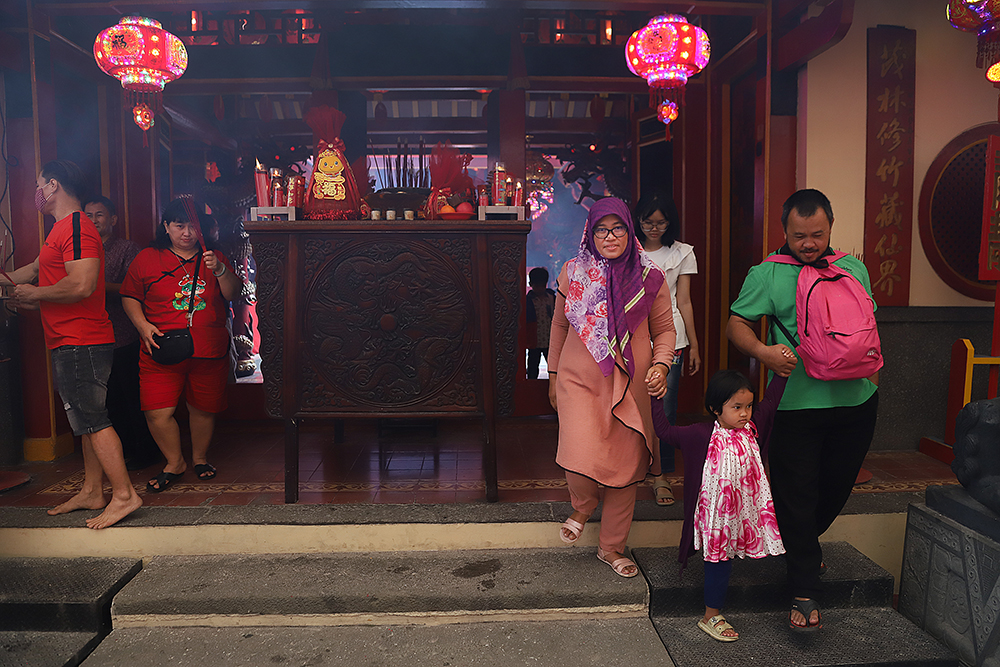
[[666, 53], [983, 18], [144, 57]]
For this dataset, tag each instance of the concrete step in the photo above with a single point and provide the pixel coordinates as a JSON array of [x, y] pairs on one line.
[[851, 581], [376, 588], [29, 648], [61, 594], [599, 642], [875, 636]]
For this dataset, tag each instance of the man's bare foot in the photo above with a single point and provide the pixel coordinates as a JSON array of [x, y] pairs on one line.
[[81, 501], [115, 512]]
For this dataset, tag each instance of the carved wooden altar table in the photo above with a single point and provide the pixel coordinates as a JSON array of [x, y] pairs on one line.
[[375, 319]]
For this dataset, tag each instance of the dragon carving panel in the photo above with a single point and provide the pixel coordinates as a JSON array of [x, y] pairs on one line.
[[388, 325]]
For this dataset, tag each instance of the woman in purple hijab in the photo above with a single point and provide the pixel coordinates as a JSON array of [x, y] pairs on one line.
[[610, 348]]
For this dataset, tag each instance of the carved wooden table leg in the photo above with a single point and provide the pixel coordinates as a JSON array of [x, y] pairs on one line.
[[291, 460], [490, 458]]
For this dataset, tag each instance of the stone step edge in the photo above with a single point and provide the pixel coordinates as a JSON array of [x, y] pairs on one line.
[[433, 618], [222, 539]]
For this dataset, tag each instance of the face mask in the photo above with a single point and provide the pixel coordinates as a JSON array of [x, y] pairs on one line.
[[40, 199]]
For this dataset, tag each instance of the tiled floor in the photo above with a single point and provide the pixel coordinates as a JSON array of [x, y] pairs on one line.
[[425, 462]]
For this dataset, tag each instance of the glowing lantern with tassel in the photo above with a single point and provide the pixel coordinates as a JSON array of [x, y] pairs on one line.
[[144, 57], [665, 53], [983, 18]]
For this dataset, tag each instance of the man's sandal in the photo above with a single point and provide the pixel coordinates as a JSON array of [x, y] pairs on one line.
[[163, 481], [618, 564], [574, 528], [662, 492], [806, 608], [716, 626]]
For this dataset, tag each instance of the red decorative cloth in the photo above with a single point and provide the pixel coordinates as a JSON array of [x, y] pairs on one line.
[[333, 192], [449, 175]]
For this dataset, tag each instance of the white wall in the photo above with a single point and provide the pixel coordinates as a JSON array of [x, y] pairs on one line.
[[952, 96]]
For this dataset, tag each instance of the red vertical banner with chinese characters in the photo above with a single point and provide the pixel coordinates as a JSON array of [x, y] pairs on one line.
[[989, 246], [889, 163]]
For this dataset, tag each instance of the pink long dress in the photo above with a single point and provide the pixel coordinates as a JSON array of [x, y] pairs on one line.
[[735, 514], [605, 423]]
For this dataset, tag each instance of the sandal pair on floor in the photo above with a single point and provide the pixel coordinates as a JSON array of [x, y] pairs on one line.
[[164, 480], [619, 565]]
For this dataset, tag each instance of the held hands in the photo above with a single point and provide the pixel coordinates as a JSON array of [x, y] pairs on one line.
[[779, 358], [656, 380]]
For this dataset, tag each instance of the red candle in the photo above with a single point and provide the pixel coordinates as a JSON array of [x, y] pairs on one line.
[[263, 186]]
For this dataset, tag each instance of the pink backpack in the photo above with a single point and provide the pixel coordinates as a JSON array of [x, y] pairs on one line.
[[835, 317]]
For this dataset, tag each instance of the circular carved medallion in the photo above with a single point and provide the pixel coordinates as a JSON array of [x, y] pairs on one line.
[[388, 324], [950, 214]]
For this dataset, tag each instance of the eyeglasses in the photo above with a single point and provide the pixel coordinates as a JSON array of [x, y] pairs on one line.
[[618, 230], [650, 226]]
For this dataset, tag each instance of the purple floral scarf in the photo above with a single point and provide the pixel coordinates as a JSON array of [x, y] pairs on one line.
[[607, 300]]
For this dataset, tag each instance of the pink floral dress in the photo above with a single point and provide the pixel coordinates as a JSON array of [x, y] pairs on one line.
[[735, 513]]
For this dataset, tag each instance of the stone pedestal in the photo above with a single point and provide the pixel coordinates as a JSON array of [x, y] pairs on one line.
[[951, 563]]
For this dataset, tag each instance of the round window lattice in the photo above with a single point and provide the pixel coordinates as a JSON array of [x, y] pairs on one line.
[[951, 211]]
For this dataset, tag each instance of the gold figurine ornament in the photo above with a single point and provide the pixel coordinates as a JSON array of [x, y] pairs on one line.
[[328, 182]]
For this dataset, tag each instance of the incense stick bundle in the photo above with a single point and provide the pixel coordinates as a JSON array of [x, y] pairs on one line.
[[399, 162], [406, 158], [420, 179]]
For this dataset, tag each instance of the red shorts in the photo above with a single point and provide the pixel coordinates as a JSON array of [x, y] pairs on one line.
[[202, 382]]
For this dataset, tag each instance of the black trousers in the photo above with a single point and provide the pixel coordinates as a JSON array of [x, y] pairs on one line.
[[123, 406], [815, 456]]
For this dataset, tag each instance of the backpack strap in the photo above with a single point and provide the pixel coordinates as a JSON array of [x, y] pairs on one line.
[[784, 259], [785, 331]]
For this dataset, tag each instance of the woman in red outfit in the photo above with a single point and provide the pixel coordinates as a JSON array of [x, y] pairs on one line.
[[159, 287]]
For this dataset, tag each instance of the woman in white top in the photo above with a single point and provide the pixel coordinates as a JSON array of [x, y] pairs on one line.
[[657, 227]]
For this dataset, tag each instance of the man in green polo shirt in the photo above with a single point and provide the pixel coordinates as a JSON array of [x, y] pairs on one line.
[[823, 429]]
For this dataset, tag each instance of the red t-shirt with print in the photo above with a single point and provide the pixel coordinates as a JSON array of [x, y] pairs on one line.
[[161, 281], [86, 321]]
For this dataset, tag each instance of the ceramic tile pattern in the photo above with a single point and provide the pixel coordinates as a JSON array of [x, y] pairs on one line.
[[393, 465]]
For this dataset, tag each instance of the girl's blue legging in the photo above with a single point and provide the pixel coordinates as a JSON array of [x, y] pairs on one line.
[[716, 583]]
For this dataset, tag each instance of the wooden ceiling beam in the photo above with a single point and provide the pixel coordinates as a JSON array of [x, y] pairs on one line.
[[443, 84], [121, 7], [808, 39]]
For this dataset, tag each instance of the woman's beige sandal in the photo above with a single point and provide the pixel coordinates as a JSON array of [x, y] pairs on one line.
[[619, 565], [662, 492], [574, 528], [715, 628]]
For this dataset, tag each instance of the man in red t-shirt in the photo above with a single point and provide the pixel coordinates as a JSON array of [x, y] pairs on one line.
[[69, 271]]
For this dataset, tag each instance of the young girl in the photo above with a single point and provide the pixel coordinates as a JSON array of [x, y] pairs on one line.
[[728, 509], [657, 225]]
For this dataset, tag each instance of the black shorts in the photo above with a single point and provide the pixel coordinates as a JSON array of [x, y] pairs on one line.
[[81, 375]]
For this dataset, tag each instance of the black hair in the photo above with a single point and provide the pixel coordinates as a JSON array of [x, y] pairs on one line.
[[69, 176], [658, 200], [539, 274], [103, 201], [806, 203], [176, 211], [723, 385]]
